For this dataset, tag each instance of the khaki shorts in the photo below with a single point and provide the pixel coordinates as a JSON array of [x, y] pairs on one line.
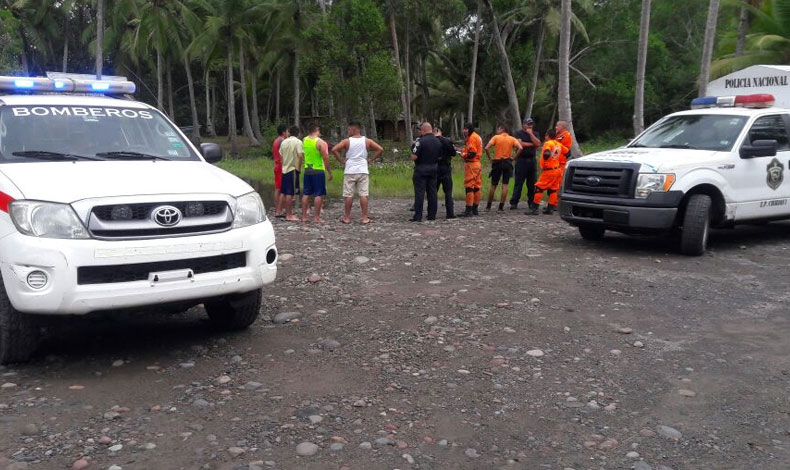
[[360, 182]]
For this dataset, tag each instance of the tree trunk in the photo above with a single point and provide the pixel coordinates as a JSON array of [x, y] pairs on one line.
[[245, 110], [64, 69], [564, 89], [256, 119], [510, 87], [192, 100], [209, 121], [406, 60], [743, 30], [296, 88], [424, 86], [214, 102], [170, 111], [478, 24], [99, 38], [536, 71], [404, 101], [641, 63], [160, 86], [231, 103], [707, 46], [372, 132], [277, 99]]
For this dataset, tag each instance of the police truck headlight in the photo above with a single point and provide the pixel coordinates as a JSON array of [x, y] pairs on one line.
[[249, 211], [47, 220], [653, 182]]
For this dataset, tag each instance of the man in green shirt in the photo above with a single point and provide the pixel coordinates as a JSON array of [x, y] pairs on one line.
[[316, 172]]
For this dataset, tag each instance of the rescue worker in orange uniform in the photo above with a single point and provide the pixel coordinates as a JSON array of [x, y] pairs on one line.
[[551, 156], [564, 138], [502, 163], [473, 173]]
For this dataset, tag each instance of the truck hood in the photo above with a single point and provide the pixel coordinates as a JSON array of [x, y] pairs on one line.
[[653, 160], [68, 182]]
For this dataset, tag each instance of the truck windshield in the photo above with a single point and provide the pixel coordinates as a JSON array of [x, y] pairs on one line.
[[699, 131], [86, 133]]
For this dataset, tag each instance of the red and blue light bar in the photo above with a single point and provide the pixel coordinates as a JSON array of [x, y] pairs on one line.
[[761, 100]]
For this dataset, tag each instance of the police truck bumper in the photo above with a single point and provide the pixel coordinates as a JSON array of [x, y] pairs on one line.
[[657, 213], [83, 276]]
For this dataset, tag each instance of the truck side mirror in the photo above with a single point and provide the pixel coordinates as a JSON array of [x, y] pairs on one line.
[[211, 152], [759, 148]]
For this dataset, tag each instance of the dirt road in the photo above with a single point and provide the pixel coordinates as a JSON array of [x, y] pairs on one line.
[[497, 342]]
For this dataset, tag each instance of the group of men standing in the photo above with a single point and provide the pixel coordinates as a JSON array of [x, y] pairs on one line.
[[311, 156], [432, 155]]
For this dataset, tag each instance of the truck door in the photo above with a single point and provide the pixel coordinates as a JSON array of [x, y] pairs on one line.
[[762, 184]]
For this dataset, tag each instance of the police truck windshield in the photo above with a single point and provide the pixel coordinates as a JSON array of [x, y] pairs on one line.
[[71, 133], [697, 132]]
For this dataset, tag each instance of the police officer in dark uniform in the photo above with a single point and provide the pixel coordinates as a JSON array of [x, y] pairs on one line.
[[526, 170], [445, 172], [425, 155]]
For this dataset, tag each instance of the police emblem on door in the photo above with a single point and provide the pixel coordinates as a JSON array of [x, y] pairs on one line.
[[775, 174]]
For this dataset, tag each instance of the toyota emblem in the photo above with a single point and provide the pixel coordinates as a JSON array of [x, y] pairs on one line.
[[166, 216], [593, 180]]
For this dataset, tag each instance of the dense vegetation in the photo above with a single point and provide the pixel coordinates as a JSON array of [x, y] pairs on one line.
[[388, 60]]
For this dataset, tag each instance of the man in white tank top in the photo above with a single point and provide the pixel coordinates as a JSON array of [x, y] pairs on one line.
[[356, 176]]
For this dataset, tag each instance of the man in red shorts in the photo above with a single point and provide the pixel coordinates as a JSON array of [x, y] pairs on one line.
[[282, 134]]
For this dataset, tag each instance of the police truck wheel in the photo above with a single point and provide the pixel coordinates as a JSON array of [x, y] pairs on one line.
[[696, 225], [236, 312], [18, 332], [592, 232]]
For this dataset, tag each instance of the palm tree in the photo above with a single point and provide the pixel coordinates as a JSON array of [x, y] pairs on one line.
[[564, 89], [510, 86], [641, 62], [99, 37], [768, 41], [707, 46], [478, 24]]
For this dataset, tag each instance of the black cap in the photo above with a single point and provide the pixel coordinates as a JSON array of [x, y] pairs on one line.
[[528, 121]]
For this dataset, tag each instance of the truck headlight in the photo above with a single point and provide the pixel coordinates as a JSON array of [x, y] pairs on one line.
[[47, 220], [653, 182], [249, 211]]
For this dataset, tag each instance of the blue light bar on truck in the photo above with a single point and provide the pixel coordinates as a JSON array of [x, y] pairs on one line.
[[761, 100], [66, 84]]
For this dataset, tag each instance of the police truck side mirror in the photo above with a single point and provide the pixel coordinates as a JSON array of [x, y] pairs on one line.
[[759, 148], [211, 152]]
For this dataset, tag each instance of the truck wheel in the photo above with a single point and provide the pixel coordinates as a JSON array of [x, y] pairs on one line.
[[696, 225], [19, 334], [235, 312], [592, 232]]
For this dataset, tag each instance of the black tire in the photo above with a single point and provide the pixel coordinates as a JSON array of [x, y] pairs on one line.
[[592, 232], [236, 312], [696, 225], [19, 333]]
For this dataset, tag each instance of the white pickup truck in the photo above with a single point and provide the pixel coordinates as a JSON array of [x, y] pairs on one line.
[[106, 205], [720, 164]]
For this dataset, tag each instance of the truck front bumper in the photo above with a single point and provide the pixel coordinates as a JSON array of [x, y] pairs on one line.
[[67, 292], [657, 213]]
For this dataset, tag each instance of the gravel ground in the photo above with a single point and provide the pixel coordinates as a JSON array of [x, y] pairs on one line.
[[497, 342]]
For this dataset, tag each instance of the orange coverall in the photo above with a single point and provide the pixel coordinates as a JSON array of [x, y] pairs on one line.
[[473, 173], [551, 174], [564, 138]]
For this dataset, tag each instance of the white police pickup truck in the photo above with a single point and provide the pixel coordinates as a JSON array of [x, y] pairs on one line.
[[717, 165], [106, 205]]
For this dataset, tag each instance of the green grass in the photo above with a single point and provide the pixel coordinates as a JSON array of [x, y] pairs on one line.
[[390, 177]]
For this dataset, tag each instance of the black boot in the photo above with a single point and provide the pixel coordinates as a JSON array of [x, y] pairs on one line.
[[474, 210], [533, 210], [549, 209], [467, 212], [501, 207], [488, 206], [513, 206]]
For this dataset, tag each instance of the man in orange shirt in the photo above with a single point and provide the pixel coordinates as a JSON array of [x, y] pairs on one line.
[[565, 139], [473, 174], [551, 173], [502, 164]]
